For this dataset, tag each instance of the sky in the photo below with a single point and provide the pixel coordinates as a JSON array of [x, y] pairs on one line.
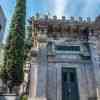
[[84, 8]]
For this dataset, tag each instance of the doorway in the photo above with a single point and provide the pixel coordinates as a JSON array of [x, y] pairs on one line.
[[69, 84]]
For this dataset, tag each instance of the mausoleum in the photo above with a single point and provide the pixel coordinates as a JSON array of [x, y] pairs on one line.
[[65, 59]]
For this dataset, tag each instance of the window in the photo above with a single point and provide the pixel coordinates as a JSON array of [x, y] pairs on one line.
[[85, 57], [68, 48], [50, 46], [65, 77], [72, 77]]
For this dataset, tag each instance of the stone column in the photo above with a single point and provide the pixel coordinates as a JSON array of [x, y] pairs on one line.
[[38, 74], [41, 90], [96, 63], [33, 74]]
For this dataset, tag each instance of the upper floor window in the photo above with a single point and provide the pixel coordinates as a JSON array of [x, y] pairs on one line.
[[68, 48], [50, 46]]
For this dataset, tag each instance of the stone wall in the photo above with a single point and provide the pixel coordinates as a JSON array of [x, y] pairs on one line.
[[95, 55], [85, 77], [38, 75], [8, 97], [46, 71]]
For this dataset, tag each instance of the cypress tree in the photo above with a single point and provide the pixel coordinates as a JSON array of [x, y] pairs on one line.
[[28, 41], [12, 72]]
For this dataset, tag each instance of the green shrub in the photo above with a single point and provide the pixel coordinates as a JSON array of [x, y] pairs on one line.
[[24, 98]]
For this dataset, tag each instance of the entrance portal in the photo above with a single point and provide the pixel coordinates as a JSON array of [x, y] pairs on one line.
[[69, 84]]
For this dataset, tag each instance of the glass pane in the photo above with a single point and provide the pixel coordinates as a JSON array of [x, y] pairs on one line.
[[68, 48], [72, 77], [64, 76]]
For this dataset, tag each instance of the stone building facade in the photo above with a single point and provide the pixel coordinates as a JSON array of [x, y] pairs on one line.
[[65, 62]]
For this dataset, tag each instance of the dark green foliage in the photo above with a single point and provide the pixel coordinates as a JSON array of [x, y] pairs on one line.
[[28, 41], [14, 50], [23, 98]]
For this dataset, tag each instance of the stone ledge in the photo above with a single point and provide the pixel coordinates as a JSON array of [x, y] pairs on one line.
[[9, 97], [37, 98], [7, 94], [93, 98]]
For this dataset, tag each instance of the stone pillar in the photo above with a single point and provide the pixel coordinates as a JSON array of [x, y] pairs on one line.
[[96, 63], [33, 74], [38, 72], [41, 90]]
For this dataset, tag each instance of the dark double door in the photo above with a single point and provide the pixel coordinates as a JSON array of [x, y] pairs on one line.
[[69, 84]]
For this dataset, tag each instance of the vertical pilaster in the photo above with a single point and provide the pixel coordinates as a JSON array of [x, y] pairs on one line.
[[38, 74], [41, 90], [96, 62], [33, 74]]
